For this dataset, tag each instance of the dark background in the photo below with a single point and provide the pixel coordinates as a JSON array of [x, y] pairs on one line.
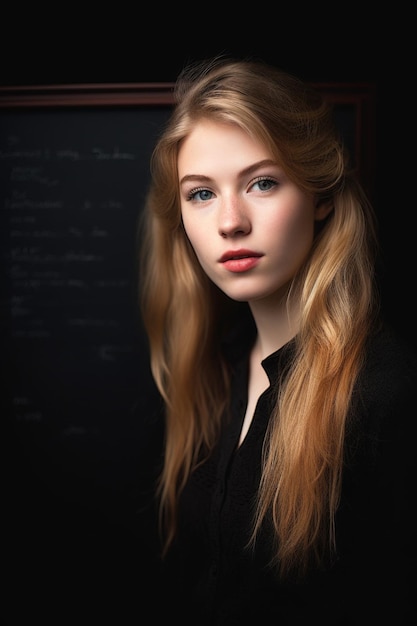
[[77, 541]]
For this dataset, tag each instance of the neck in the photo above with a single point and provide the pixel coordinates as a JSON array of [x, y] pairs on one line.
[[276, 323]]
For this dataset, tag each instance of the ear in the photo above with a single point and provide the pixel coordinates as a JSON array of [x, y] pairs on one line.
[[322, 210]]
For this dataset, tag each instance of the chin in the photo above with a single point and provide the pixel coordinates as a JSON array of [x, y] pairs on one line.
[[243, 296]]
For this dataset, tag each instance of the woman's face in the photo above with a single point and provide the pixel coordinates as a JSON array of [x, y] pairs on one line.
[[250, 226]]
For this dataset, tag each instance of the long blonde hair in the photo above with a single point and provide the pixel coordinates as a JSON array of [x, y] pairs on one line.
[[185, 315]]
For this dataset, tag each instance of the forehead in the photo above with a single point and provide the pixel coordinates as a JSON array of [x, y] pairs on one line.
[[212, 143]]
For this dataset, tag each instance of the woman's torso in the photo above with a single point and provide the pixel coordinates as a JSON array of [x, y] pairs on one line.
[[213, 577]]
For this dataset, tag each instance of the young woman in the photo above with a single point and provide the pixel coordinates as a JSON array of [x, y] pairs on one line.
[[288, 474]]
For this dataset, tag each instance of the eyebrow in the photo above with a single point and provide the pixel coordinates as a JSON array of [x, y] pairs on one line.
[[245, 172]]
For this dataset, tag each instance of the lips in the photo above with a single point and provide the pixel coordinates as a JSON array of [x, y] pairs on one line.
[[238, 261], [232, 255]]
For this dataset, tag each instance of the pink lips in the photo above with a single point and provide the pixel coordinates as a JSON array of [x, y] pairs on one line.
[[240, 260]]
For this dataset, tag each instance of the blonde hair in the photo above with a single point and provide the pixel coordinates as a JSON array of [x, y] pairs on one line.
[[185, 315]]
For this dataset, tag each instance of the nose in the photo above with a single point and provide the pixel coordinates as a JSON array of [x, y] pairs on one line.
[[234, 220]]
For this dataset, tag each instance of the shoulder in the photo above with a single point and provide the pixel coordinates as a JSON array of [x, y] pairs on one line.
[[384, 401], [377, 516], [390, 367]]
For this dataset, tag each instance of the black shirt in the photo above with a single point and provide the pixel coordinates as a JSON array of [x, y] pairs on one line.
[[212, 577]]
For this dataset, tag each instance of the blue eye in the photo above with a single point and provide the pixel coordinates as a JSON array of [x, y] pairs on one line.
[[265, 184], [199, 195]]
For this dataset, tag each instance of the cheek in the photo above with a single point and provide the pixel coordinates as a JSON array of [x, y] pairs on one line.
[[293, 234], [195, 236]]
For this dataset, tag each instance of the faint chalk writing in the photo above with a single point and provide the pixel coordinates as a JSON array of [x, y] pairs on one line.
[[32, 174], [115, 154]]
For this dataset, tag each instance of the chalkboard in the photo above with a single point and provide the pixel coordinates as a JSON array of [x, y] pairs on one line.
[[72, 186], [79, 398]]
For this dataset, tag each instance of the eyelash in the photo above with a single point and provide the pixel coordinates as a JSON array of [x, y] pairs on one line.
[[267, 179], [193, 192]]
